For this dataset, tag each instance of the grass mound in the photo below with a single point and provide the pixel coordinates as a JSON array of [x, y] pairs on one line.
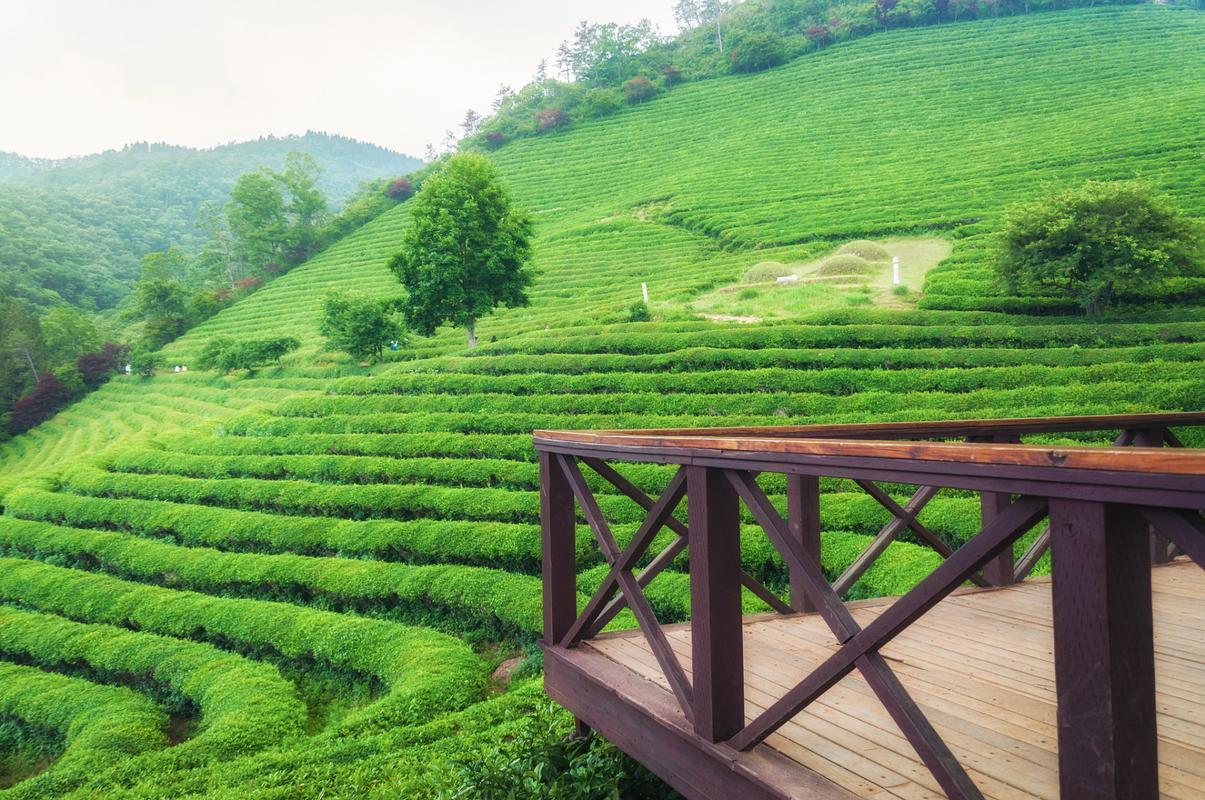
[[845, 265], [864, 248], [765, 271]]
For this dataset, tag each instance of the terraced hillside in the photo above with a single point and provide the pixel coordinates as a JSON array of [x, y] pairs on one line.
[[297, 583]]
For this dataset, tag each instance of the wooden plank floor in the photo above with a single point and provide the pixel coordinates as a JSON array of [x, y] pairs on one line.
[[980, 666]]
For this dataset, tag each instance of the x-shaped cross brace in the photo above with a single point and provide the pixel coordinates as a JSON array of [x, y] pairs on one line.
[[860, 646]]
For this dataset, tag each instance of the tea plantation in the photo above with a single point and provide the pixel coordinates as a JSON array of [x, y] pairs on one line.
[[297, 583]]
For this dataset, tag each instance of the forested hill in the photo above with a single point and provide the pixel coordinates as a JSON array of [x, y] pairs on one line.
[[75, 229]]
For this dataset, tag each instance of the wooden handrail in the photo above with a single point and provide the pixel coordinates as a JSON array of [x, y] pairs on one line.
[[928, 429], [1103, 504]]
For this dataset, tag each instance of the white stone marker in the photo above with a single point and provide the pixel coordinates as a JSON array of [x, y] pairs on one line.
[[895, 270], [644, 290]]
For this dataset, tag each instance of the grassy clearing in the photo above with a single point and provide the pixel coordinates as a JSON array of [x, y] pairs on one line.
[[857, 273]]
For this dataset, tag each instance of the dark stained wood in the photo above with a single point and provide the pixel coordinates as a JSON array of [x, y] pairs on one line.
[[635, 549], [1104, 504], [635, 598], [559, 547], [902, 517], [1185, 528], [1002, 532], [1104, 653], [715, 605], [642, 720], [943, 429], [803, 523], [989, 690]]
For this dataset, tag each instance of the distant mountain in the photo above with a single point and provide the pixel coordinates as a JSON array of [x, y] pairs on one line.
[[75, 229]]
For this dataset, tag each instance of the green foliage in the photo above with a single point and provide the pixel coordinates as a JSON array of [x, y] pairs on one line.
[[323, 526], [74, 230], [601, 102], [638, 89], [466, 250], [639, 312], [1089, 242], [756, 51], [225, 353], [360, 325]]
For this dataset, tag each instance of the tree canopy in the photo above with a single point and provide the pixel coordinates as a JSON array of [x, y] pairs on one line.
[[1088, 242], [360, 325], [467, 249]]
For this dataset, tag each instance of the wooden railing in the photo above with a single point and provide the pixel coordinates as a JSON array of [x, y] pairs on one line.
[[1112, 511]]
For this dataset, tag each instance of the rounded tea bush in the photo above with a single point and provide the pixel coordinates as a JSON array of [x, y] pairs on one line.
[[766, 271], [845, 265], [871, 251]]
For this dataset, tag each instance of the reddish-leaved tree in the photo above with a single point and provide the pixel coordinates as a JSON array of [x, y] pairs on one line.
[[551, 119], [401, 189], [47, 396]]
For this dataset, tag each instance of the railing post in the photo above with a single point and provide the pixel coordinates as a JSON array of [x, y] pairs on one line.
[[558, 541], [715, 604], [1104, 652], [1160, 546], [803, 522], [1001, 570]]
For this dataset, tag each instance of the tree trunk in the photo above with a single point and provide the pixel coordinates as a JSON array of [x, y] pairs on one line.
[[719, 35], [472, 334], [29, 359]]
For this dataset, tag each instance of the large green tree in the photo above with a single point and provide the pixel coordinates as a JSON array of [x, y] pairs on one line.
[[1088, 242], [307, 206], [256, 214], [467, 249]]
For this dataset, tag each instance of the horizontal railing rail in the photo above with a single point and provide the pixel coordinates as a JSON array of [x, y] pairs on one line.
[[1112, 511]]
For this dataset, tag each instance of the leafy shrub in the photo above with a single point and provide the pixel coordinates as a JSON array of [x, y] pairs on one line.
[[550, 119], [754, 52], [1089, 242], [748, 293], [599, 102], [671, 76], [360, 325], [639, 312], [900, 291], [638, 89], [766, 271], [541, 760], [871, 251], [225, 353]]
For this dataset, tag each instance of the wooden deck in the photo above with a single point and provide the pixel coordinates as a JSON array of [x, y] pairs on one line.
[[980, 665]]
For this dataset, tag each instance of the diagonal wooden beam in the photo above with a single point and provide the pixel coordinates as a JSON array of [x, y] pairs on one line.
[[826, 601], [1171, 439], [917, 729], [927, 536], [631, 554], [911, 720], [1035, 552], [1185, 528], [608, 473], [1001, 532], [645, 617], [908, 516], [885, 536]]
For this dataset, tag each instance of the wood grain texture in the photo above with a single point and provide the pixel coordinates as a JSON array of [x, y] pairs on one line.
[[989, 691]]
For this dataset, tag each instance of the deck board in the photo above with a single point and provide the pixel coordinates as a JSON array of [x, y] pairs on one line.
[[980, 665]]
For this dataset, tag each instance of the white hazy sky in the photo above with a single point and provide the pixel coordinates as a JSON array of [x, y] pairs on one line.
[[82, 76]]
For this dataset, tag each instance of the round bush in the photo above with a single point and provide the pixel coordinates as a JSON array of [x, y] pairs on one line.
[[766, 271], [845, 265], [871, 251]]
